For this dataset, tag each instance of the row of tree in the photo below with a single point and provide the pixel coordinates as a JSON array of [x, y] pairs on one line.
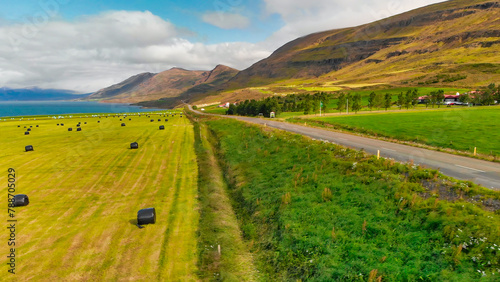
[[306, 103]]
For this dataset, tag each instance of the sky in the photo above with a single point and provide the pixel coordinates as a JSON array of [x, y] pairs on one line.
[[85, 45]]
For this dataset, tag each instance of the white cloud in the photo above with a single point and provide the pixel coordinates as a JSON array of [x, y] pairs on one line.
[[97, 51], [226, 20], [305, 17]]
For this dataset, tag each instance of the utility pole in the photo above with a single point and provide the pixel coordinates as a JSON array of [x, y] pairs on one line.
[[347, 106]]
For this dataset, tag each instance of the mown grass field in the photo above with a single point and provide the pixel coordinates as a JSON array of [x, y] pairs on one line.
[[458, 128], [85, 189]]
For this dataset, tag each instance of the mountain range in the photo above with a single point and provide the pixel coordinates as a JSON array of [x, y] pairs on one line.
[[450, 44], [38, 94]]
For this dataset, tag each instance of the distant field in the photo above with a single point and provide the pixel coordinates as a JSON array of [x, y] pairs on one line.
[[459, 128], [85, 189], [214, 110]]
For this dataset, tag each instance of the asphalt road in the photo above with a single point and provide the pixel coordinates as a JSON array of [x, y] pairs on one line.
[[480, 172]]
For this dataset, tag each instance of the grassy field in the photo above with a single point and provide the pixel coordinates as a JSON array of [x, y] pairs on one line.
[[458, 128], [85, 189], [313, 211]]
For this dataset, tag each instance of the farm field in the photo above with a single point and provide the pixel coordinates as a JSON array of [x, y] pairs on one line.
[[85, 188], [458, 128]]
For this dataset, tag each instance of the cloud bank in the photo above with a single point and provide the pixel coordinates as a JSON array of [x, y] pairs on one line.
[[96, 51]]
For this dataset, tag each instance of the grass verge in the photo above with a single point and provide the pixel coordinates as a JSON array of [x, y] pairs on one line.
[[218, 227], [316, 211]]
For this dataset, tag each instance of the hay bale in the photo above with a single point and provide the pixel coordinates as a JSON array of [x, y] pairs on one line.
[[166, 119], [27, 133], [28, 148], [146, 216], [162, 127], [129, 119], [29, 129], [37, 125], [18, 126], [152, 120], [159, 119], [79, 129], [20, 200], [134, 145], [123, 124], [85, 123], [58, 124], [62, 124], [70, 129], [98, 121]]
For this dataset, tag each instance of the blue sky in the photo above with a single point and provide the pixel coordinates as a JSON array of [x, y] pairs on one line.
[[184, 14], [85, 45]]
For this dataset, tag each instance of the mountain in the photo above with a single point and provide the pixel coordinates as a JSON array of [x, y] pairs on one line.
[[127, 86], [216, 77], [168, 84], [38, 94], [450, 44], [453, 39], [448, 38]]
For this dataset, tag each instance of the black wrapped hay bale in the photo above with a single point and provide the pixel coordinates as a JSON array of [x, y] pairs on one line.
[[146, 216], [166, 119], [162, 127], [152, 120], [98, 121], [21, 200], [159, 119], [134, 145], [62, 124], [37, 125], [70, 129], [58, 124], [28, 148], [29, 129], [79, 129], [123, 124], [27, 133], [85, 123], [18, 126]]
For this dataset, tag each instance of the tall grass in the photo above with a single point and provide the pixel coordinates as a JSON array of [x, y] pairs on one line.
[[383, 220]]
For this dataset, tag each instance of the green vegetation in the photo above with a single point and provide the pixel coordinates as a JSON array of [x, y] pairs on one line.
[[459, 128], [315, 211], [218, 223], [85, 189]]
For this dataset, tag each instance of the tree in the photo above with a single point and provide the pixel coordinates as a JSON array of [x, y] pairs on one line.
[[378, 101], [356, 103], [401, 100], [387, 101], [433, 98], [341, 102], [440, 97], [407, 99], [231, 110], [414, 97], [464, 98], [371, 100]]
